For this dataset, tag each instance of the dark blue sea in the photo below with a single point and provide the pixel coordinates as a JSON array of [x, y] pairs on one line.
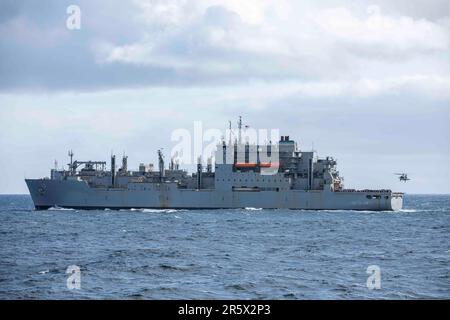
[[225, 254]]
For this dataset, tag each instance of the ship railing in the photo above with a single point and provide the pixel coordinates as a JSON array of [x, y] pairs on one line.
[[366, 190]]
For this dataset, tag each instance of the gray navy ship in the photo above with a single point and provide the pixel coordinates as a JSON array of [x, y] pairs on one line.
[[242, 175]]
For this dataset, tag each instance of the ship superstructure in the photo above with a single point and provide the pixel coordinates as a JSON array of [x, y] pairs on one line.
[[278, 175]]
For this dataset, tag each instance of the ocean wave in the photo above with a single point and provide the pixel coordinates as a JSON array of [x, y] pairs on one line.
[[224, 254], [160, 210], [151, 210], [253, 209], [56, 208]]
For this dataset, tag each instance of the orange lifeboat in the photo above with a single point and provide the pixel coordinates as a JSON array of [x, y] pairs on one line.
[[268, 165], [254, 165], [245, 165]]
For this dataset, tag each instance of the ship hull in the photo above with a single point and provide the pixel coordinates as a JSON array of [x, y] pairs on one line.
[[79, 195]]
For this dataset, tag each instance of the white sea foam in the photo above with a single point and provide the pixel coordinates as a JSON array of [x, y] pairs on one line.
[[56, 208], [160, 210], [253, 209]]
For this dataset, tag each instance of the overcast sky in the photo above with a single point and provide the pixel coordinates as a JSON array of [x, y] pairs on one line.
[[367, 82]]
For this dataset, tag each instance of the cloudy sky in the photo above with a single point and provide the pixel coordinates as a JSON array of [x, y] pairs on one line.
[[367, 82]]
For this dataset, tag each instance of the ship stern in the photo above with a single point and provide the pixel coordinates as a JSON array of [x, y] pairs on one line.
[[396, 201]]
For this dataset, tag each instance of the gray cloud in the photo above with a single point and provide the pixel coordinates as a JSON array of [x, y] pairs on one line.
[[131, 44], [8, 10]]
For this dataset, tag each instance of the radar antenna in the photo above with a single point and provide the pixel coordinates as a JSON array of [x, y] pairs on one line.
[[71, 161]]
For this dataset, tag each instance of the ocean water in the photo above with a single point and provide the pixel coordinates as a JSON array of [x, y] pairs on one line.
[[225, 254]]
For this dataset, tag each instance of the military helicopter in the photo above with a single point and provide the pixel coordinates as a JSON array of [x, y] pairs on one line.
[[403, 177]]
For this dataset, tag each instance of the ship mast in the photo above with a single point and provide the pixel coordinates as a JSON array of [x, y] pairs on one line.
[[71, 161], [229, 126], [240, 130], [161, 165]]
